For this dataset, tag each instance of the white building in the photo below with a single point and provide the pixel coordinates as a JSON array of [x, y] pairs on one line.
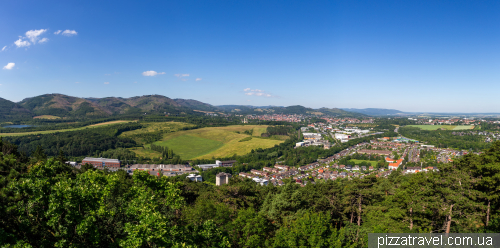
[[342, 137], [210, 166], [195, 178], [260, 181]]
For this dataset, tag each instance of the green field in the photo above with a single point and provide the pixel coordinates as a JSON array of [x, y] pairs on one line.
[[65, 130], [205, 143], [357, 161], [188, 146], [447, 127], [165, 127], [141, 152], [50, 117], [466, 127]]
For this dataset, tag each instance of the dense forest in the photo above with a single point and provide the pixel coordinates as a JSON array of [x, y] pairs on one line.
[[77, 143], [445, 138], [44, 203]]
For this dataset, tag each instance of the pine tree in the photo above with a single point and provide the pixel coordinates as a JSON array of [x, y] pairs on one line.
[[39, 154]]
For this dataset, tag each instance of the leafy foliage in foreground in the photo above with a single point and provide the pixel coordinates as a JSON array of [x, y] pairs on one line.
[[45, 203]]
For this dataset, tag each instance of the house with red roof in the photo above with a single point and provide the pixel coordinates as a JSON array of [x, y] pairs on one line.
[[395, 165]]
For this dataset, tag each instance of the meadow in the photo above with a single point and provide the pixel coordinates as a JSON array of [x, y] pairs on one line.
[[65, 130], [357, 161], [205, 143], [447, 127], [49, 117], [154, 127]]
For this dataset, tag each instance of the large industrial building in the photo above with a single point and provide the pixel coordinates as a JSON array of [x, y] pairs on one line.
[[102, 163]]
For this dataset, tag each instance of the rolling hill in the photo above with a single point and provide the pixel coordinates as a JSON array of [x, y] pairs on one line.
[[296, 109], [59, 105], [10, 110], [62, 105]]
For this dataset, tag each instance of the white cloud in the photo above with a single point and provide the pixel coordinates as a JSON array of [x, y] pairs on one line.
[[198, 79], [9, 66], [152, 73], [4, 48], [107, 74], [43, 40], [68, 32], [58, 32], [33, 34], [106, 82], [256, 92], [21, 43], [180, 76]]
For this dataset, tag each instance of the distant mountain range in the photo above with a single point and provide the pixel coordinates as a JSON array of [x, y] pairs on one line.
[[394, 112], [297, 109], [69, 106], [374, 111]]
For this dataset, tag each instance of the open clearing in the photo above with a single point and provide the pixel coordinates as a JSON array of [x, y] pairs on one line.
[[188, 146], [50, 117], [109, 123], [151, 127], [64, 130], [465, 127], [211, 142], [141, 152], [447, 127], [357, 161]]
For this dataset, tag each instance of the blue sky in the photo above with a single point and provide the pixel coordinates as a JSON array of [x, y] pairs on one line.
[[408, 55]]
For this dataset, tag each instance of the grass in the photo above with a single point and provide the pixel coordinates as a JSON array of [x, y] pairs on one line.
[[64, 130], [155, 127], [259, 130], [464, 127], [216, 141], [433, 127], [109, 123], [357, 161], [146, 152], [50, 117], [189, 147]]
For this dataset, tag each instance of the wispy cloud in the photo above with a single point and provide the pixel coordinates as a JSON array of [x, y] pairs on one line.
[[77, 82], [107, 74], [152, 73], [9, 66], [58, 32], [4, 48], [68, 32], [256, 92], [180, 76], [106, 82], [198, 79], [22, 43], [33, 35]]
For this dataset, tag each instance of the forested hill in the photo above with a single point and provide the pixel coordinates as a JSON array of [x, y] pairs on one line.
[[68, 106], [296, 109], [9, 110], [63, 105]]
